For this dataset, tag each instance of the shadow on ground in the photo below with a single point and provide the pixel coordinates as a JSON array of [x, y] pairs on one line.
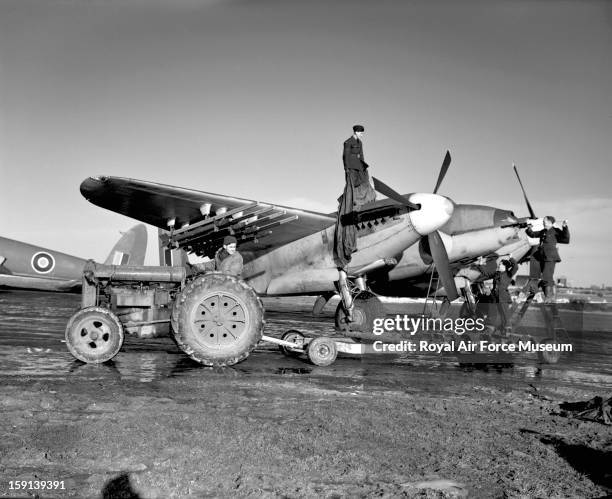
[[594, 463], [119, 488]]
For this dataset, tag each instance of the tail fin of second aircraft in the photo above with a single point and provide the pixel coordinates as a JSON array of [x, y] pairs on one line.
[[130, 249], [167, 256]]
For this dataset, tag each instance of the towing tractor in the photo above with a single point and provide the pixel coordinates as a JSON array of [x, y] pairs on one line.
[[215, 318]]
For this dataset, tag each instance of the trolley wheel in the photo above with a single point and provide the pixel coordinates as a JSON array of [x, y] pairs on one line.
[[217, 319], [549, 357], [296, 337], [322, 351], [366, 307], [94, 335]]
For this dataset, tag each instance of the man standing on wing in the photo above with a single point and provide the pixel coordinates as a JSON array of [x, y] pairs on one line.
[[356, 168], [357, 191], [547, 254]]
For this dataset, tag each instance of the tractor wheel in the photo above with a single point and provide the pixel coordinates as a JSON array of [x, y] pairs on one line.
[[366, 307], [94, 335], [217, 319], [549, 357], [322, 351], [295, 337]]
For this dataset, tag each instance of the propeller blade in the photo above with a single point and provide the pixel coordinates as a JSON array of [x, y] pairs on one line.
[[440, 258], [443, 170], [385, 190], [531, 212]]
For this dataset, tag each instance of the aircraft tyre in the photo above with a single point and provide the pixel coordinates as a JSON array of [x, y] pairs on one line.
[[94, 335], [366, 307], [549, 357], [217, 319], [322, 351], [296, 337]]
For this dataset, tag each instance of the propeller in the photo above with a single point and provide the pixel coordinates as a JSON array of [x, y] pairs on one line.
[[534, 265], [445, 164], [436, 246], [440, 258], [391, 194], [531, 212]]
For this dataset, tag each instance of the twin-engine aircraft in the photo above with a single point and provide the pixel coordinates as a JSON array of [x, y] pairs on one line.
[[288, 251], [27, 266]]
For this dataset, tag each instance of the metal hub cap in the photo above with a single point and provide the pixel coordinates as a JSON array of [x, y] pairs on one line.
[[323, 350], [359, 317], [93, 335], [220, 319]]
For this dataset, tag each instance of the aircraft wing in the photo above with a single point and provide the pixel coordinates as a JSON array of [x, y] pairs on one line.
[[197, 221]]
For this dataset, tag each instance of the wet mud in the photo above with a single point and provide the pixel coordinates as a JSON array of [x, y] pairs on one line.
[[154, 424]]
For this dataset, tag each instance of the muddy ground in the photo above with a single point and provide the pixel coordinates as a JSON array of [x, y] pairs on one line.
[[153, 424]]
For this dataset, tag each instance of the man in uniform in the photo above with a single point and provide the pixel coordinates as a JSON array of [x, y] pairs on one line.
[[352, 156], [356, 168], [547, 254], [357, 191], [227, 258], [502, 279]]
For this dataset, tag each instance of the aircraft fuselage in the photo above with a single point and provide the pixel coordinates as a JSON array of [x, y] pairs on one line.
[[32, 267]]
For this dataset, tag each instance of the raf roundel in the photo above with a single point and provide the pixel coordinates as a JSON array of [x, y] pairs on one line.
[[43, 262]]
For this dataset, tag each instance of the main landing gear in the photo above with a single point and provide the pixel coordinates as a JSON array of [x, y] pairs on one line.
[[358, 306], [366, 307]]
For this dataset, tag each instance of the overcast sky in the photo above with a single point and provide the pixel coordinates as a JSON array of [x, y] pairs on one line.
[[254, 99]]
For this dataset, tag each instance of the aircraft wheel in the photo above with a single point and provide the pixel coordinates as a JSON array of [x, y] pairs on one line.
[[322, 351], [295, 337], [94, 335], [549, 357], [217, 319], [366, 307]]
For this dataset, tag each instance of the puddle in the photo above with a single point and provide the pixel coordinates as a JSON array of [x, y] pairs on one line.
[[32, 346]]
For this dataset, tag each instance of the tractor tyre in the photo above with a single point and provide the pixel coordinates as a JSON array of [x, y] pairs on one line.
[[217, 319], [94, 335]]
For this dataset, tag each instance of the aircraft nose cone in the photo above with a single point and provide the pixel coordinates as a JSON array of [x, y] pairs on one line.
[[434, 213]]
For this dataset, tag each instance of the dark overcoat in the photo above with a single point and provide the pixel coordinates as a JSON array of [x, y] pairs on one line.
[[547, 251], [354, 162], [501, 281]]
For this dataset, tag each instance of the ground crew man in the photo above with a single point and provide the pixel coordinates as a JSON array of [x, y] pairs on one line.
[[357, 191], [352, 157], [356, 168], [227, 258], [502, 279], [547, 254]]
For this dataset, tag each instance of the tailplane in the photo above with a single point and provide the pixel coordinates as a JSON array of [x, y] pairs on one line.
[[130, 249]]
